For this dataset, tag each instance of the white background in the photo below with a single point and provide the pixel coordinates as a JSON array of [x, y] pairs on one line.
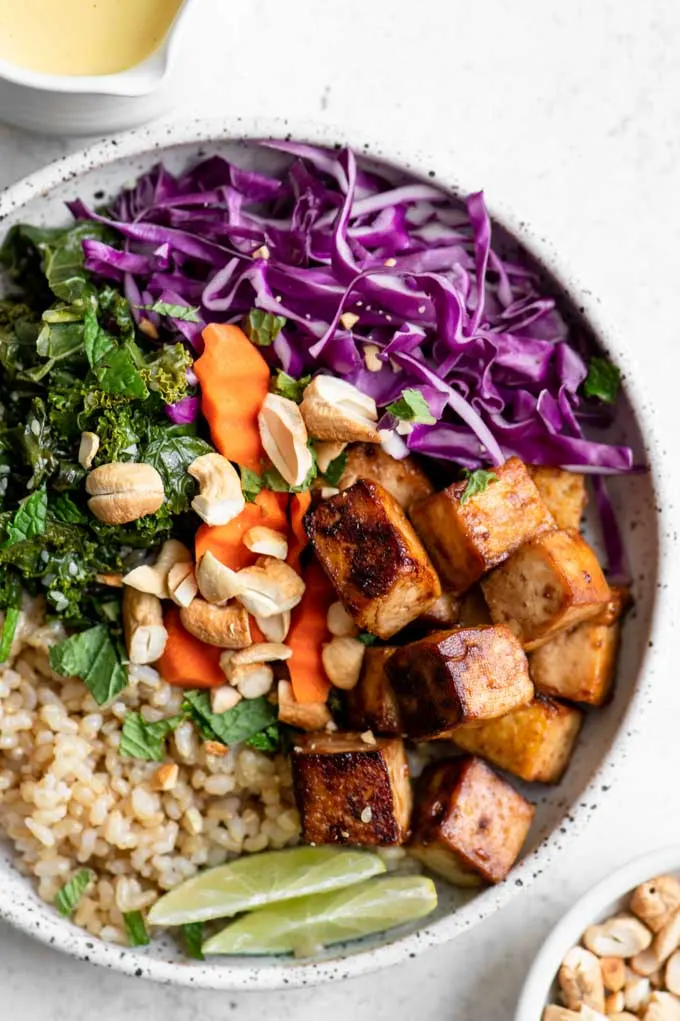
[[569, 113]]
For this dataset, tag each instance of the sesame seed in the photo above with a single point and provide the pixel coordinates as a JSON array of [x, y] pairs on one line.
[[367, 814]]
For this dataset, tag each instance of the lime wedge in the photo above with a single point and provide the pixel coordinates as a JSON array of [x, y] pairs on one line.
[[326, 918], [259, 879]]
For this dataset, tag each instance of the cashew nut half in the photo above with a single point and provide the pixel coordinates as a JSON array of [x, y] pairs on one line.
[[87, 451], [260, 539], [153, 578], [124, 491], [220, 498], [305, 715], [334, 409], [284, 438], [145, 635], [227, 627], [342, 659]]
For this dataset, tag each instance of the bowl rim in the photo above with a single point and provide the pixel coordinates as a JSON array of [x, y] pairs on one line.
[[439, 170], [588, 909], [138, 80]]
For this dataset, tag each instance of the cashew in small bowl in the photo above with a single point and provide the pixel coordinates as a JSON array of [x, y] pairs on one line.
[[220, 498], [580, 979], [333, 409], [227, 627], [145, 635], [153, 578], [284, 438], [123, 491]]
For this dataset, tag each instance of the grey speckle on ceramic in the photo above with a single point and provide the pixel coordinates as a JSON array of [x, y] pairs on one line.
[[641, 504]]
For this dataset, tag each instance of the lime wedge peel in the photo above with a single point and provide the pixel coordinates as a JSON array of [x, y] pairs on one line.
[[326, 918], [260, 879]]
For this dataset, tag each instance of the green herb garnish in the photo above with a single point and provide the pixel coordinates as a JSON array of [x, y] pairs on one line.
[[603, 380], [136, 929], [92, 656], [142, 740], [366, 638], [243, 722], [336, 468], [262, 328], [30, 519], [186, 313], [68, 897], [412, 407], [477, 482], [288, 386], [193, 940]]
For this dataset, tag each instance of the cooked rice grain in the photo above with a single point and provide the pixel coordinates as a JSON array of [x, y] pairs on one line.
[[67, 798]]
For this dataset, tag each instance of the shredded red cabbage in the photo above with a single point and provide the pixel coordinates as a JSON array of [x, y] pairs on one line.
[[442, 309]]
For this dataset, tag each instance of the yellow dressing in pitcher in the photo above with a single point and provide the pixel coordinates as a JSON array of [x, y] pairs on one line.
[[77, 37]]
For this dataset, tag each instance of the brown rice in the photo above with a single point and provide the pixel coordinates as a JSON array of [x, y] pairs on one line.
[[68, 799]]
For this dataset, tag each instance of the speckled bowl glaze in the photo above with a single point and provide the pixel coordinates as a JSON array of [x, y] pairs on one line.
[[608, 898], [562, 812]]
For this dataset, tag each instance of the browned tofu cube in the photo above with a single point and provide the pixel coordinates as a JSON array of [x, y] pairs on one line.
[[372, 705], [465, 539], [534, 742], [369, 550], [563, 493], [452, 677], [580, 664], [620, 601], [404, 480], [550, 585], [352, 789], [468, 823], [473, 608]]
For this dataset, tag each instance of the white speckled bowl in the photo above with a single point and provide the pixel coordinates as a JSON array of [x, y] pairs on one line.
[[608, 898], [562, 811]]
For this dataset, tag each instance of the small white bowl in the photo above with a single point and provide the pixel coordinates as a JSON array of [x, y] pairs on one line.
[[93, 104], [606, 899]]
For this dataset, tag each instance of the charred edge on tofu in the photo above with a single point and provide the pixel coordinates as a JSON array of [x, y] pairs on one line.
[[377, 556]]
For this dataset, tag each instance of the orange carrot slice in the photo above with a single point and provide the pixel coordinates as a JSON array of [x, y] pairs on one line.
[[299, 505], [226, 541], [308, 632], [234, 380], [187, 662]]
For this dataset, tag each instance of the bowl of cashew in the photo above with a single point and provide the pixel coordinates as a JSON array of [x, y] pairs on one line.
[[616, 953]]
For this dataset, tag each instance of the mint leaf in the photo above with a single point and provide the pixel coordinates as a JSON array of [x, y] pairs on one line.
[[142, 740], [412, 407], [30, 519], [366, 638], [67, 899], [186, 313], [64, 509], [193, 940], [477, 482], [9, 629], [251, 484], [288, 386], [92, 656], [171, 454], [336, 468], [603, 380], [242, 722], [274, 480], [113, 364], [135, 929], [262, 328]]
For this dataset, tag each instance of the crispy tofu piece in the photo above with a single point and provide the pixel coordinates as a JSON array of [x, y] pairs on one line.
[[453, 677], [352, 789], [620, 601], [370, 552], [469, 824], [372, 705], [404, 479], [550, 585], [563, 493], [473, 608], [467, 539], [580, 664], [534, 742]]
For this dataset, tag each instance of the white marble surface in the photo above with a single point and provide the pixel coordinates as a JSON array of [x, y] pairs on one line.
[[571, 113]]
